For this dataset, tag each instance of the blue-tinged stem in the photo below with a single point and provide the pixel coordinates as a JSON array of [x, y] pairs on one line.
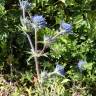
[[35, 57], [51, 73], [29, 39], [30, 42], [23, 13], [55, 36]]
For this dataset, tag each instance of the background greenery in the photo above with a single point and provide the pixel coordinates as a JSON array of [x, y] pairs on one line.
[[67, 50]]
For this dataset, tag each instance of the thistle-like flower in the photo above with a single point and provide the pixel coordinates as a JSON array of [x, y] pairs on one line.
[[39, 21], [81, 64], [24, 4], [43, 76], [24, 21], [47, 40], [59, 70], [26, 24], [65, 27]]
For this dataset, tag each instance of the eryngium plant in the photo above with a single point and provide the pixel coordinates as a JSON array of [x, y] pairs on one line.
[[35, 23]]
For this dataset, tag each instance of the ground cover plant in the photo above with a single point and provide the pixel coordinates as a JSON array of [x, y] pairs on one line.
[[47, 48]]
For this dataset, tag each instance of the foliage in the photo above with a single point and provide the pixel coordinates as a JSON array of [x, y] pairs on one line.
[[19, 76]]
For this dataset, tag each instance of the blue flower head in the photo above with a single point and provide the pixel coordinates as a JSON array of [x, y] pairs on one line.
[[65, 27], [81, 64], [59, 70], [39, 21], [24, 4]]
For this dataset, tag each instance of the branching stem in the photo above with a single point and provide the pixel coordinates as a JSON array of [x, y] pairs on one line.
[[32, 47], [35, 57]]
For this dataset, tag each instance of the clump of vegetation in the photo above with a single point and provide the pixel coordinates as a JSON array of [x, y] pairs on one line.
[[47, 48]]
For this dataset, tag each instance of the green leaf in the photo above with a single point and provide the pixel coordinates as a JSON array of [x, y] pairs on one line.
[[2, 2], [88, 66], [2, 10], [78, 21], [65, 81]]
